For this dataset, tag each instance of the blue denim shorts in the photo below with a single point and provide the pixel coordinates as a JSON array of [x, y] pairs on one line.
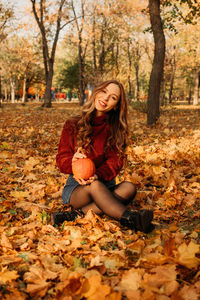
[[71, 184]]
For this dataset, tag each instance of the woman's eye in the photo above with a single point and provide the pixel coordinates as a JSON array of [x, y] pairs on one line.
[[104, 91]]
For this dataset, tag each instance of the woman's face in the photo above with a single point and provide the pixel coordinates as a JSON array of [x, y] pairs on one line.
[[107, 99]]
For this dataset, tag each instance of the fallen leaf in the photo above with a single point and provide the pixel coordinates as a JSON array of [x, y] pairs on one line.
[[186, 255], [8, 276]]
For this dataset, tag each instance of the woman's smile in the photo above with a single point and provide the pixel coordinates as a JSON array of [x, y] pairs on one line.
[[102, 103]]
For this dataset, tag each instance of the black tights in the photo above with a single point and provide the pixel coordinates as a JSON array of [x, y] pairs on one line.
[[100, 199]]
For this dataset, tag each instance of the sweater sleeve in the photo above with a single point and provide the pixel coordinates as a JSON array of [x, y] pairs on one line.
[[66, 149], [111, 166]]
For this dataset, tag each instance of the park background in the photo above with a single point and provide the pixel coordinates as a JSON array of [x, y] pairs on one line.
[[44, 79]]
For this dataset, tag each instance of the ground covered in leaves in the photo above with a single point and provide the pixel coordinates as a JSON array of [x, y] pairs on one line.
[[94, 258]]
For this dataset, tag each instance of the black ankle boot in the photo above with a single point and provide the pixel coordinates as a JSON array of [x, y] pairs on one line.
[[60, 216], [138, 220]]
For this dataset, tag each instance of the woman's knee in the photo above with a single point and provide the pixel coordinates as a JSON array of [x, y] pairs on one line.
[[80, 197], [129, 189]]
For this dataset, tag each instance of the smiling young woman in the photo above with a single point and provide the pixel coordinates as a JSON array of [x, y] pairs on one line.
[[101, 134], [107, 99]]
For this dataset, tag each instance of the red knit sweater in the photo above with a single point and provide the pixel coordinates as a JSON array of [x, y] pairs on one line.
[[108, 164]]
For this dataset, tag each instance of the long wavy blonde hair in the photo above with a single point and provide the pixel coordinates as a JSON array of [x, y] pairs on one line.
[[117, 119]]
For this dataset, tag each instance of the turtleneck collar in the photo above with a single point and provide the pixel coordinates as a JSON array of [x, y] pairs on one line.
[[100, 120]]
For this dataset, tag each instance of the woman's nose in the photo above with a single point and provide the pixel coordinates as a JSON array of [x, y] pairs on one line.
[[106, 97]]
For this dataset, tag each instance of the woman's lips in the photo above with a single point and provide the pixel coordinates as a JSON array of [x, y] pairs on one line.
[[102, 103]]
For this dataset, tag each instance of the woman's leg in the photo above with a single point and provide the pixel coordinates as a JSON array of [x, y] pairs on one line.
[[98, 197], [123, 192]]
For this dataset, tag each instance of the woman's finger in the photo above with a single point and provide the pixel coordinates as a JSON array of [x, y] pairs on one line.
[[80, 181]]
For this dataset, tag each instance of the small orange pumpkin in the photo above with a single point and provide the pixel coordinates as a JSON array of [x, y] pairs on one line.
[[83, 168]]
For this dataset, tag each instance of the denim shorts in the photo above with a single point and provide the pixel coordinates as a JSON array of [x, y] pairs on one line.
[[71, 184]]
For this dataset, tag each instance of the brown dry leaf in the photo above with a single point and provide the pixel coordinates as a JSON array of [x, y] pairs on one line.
[[114, 296], [131, 280], [169, 246], [31, 163], [148, 294], [37, 273], [9, 259], [189, 293], [37, 280], [20, 194], [37, 289], [133, 295], [71, 284], [8, 276], [5, 243], [109, 226], [162, 277], [186, 255], [90, 218], [14, 294], [154, 259], [93, 288], [113, 262]]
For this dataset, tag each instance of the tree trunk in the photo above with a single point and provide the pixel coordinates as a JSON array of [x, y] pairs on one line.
[[136, 64], [102, 54], [153, 102], [12, 88], [37, 97], [171, 84], [6, 94], [48, 55], [0, 92], [81, 72], [172, 79], [0, 88], [47, 94], [117, 57], [94, 44], [162, 93], [24, 90], [81, 55], [137, 83], [129, 70], [196, 87], [190, 95]]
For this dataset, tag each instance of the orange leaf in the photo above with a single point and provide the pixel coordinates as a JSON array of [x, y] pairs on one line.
[[131, 280], [94, 289], [186, 255], [5, 241], [7, 276]]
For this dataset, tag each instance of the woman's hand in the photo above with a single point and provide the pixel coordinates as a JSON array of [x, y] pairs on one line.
[[78, 154], [88, 181]]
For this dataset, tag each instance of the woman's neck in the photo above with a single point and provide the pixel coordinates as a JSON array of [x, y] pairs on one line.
[[99, 113]]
